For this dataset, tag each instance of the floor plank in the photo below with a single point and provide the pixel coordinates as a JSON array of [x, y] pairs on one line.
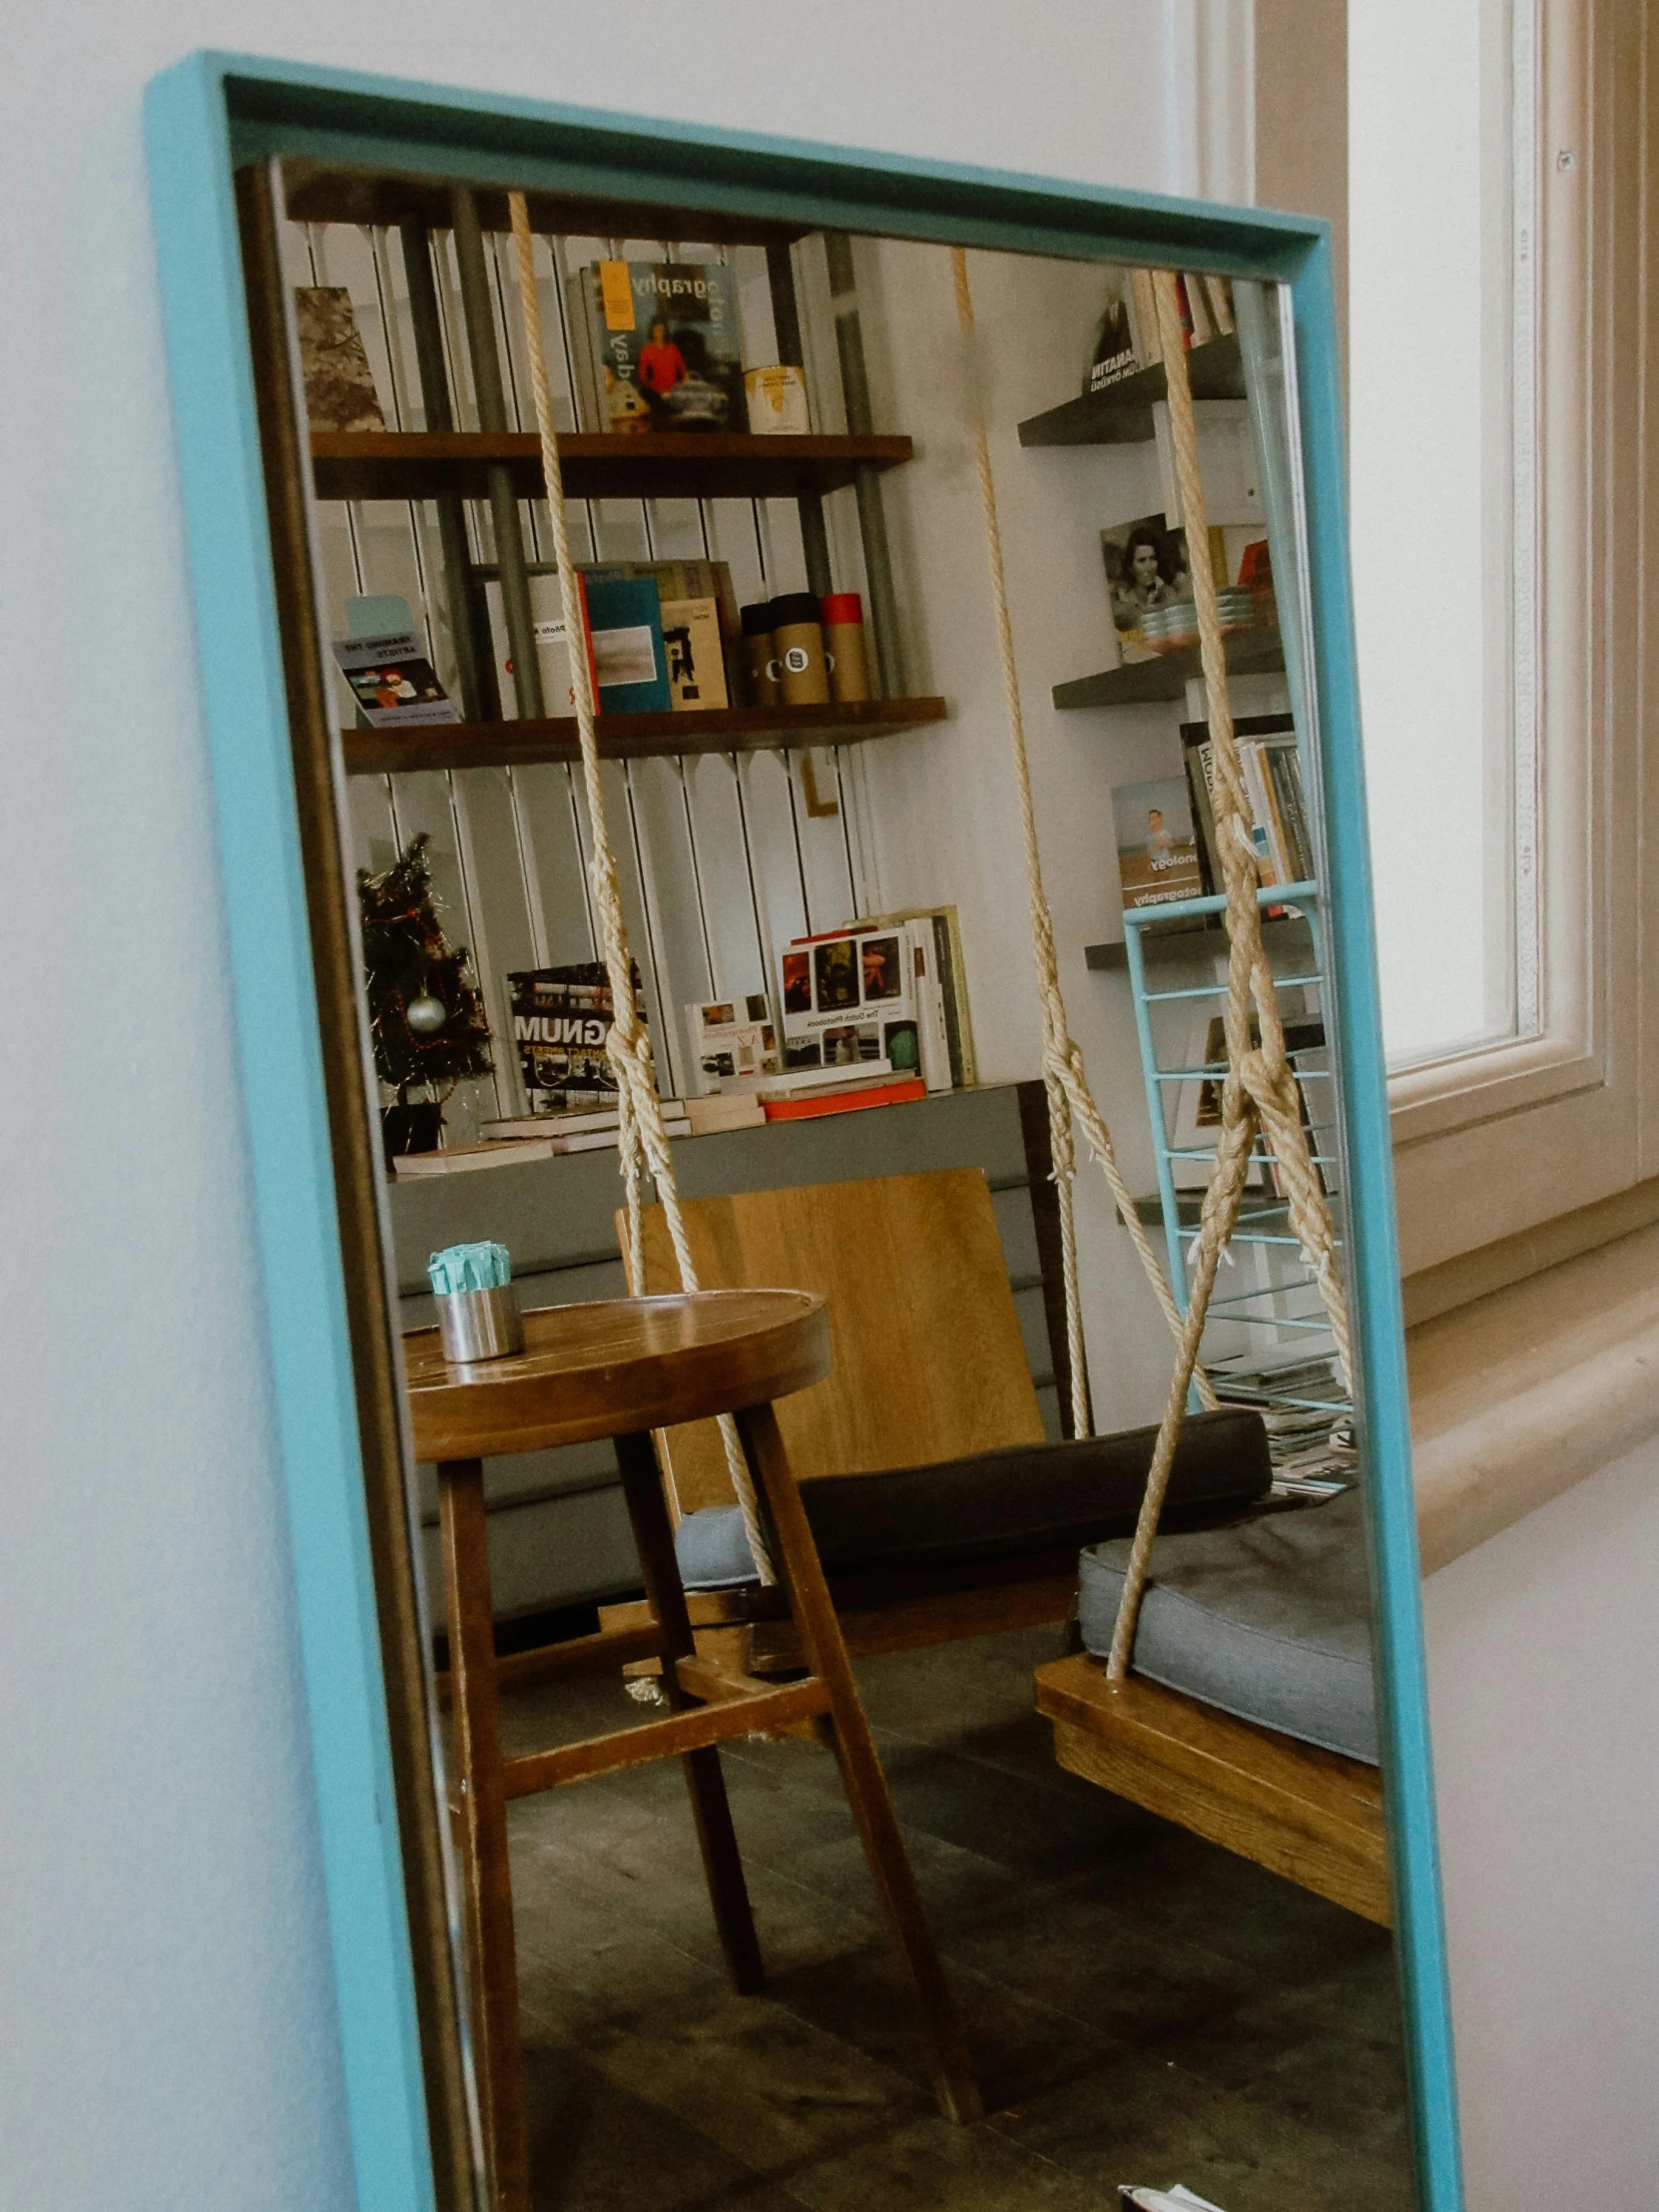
[[1143, 2007]]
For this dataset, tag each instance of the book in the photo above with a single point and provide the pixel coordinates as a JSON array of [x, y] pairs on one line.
[[462, 1158], [696, 654], [952, 973], [1219, 290], [526, 1126], [1146, 567], [850, 997], [562, 1019], [658, 345], [334, 366], [624, 615], [547, 618], [720, 1110], [1156, 848], [392, 679], [1118, 350], [732, 1040], [810, 1107], [1146, 314], [1270, 760]]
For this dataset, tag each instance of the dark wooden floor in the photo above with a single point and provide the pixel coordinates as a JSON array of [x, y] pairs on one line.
[[1142, 2006]]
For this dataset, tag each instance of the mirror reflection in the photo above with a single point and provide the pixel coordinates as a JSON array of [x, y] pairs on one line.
[[839, 909]]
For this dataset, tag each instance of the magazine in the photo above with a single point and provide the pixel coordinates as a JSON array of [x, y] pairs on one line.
[[657, 347], [562, 1019]]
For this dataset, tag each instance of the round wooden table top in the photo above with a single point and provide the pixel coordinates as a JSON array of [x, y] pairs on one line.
[[615, 1367]]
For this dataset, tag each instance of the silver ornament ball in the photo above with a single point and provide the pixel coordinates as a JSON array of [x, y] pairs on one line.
[[426, 1014]]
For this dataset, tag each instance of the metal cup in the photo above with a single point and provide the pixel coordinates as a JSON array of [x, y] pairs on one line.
[[480, 1324]]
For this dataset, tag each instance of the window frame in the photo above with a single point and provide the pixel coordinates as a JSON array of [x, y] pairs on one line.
[[318, 1210], [1501, 1139]]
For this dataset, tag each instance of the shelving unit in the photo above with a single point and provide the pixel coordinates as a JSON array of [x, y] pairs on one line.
[[425, 464], [1280, 1301], [1137, 683], [737, 828], [464, 744], [1122, 413]]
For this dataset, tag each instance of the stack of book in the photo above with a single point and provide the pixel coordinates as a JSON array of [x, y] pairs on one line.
[[660, 637], [534, 1137], [1309, 1421], [1279, 827]]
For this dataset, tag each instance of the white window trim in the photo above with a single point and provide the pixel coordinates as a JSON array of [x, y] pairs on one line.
[[1497, 1140]]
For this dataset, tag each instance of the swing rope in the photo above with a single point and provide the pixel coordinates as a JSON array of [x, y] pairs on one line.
[[1259, 1094], [642, 1142]]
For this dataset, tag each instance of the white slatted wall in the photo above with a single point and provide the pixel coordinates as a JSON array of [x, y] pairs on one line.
[[720, 859]]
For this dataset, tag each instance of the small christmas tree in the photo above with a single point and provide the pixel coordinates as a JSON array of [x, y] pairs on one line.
[[424, 1013]]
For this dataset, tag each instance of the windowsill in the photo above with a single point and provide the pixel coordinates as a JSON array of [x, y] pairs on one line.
[[1531, 1389]]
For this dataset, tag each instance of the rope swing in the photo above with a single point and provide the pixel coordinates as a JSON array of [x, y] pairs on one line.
[[642, 1139], [1259, 1094]]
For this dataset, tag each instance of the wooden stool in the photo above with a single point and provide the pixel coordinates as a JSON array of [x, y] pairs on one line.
[[620, 1370]]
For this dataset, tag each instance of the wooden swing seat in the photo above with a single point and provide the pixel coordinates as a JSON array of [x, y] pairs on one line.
[[929, 1364], [1308, 1815]]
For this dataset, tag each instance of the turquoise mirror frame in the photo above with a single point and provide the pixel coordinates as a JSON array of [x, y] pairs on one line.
[[213, 114]]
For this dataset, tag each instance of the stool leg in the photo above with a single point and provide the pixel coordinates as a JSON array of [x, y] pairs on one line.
[[716, 1837], [492, 1964], [862, 1776]]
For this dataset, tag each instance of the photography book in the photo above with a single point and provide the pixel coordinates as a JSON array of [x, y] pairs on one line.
[[951, 974], [538, 1126], [658, 345], [334, 366], [562, 1019], [1157, 849], [392, 679], [733, 1040], [812, 1105], [854, 997]]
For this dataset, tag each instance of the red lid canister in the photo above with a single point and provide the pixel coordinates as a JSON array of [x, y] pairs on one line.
[[840, 607]]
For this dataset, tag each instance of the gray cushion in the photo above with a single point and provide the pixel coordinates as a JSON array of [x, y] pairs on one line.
[[1270, 1620], [998, 1507]]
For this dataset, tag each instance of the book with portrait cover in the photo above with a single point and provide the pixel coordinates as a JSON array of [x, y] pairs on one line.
[[1158, 859], [658, 345]]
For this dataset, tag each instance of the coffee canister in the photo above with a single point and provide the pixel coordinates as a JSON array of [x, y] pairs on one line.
[[798, 639], [843, 644], [759, 653]]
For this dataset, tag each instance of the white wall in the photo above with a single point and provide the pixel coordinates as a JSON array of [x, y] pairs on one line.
[[164, 1980], [1546, 1706]]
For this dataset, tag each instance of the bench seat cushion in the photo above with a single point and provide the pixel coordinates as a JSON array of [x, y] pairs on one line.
[[1270, 1620], [997, 1505]]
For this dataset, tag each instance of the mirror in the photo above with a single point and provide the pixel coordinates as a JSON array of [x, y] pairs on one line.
[[940, 1901]]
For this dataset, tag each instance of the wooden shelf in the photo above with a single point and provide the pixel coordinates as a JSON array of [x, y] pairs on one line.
[[455, 745], [1122, 413], [1191, 940], [327, 193], [1249, 653], [715, 464]]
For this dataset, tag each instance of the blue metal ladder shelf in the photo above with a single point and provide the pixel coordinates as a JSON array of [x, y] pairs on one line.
[[1266, 1338]]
